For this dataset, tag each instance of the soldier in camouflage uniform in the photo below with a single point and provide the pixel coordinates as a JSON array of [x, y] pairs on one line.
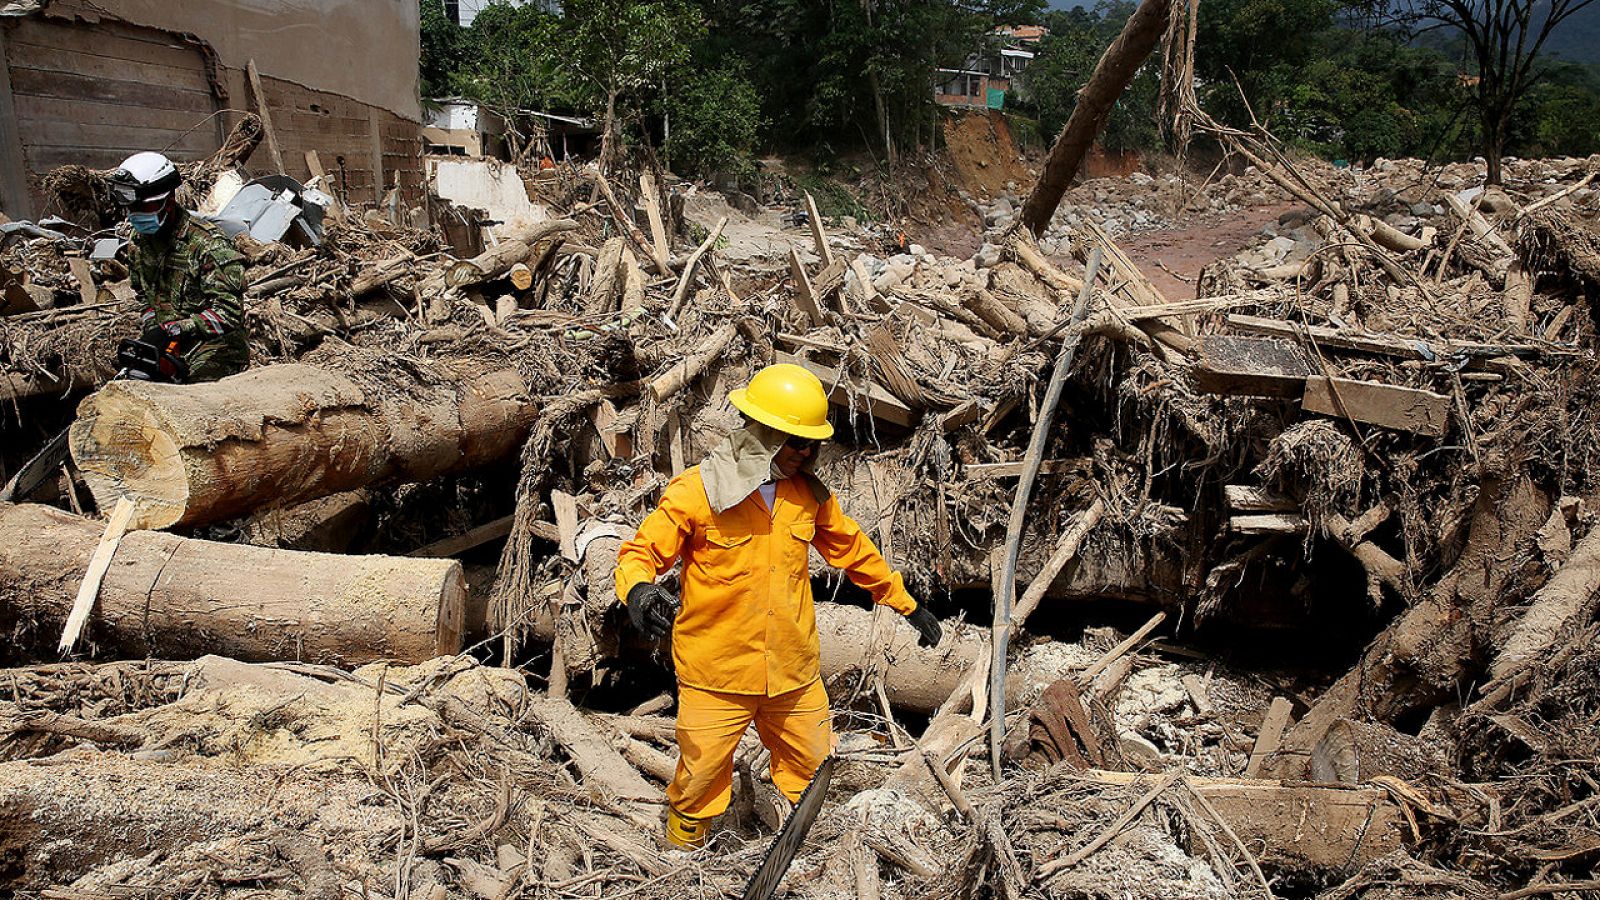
[[186, 271]]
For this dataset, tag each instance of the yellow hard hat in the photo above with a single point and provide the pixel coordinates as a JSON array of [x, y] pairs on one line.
[[788, 398]]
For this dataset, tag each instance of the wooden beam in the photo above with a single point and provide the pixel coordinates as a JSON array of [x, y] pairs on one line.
[[661, 250], [1387, 406], [1379, 345], [266, 121], [804, 296], [1270, 737], [824, 252], [843, 389], [1236, 366], [477, 537], [1014, 469], [83, 273], [1268, 523], [1244, 498]]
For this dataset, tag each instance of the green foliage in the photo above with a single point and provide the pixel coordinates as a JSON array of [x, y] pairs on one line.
[[445, 50], [620, 50], [507, 70], [716, 120], [1560, 116], [1064, 63]]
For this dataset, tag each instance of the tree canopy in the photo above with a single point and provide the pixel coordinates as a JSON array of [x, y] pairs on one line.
[[710, 82]]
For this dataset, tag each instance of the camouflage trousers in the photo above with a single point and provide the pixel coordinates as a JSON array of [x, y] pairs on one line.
[[217, 359]]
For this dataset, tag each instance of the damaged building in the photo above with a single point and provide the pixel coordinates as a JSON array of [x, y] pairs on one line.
[[87, 84]]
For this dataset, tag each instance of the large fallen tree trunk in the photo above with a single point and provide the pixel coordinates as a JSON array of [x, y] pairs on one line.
[[279, 435], [916, 678], [166, 596], [1111, 77], [1427, 654]]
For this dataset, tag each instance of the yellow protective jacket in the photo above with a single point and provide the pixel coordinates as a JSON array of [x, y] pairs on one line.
[[747, 625]]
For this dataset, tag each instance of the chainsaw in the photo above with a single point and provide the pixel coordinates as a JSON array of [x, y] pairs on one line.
[[136, 359], [764, 883]]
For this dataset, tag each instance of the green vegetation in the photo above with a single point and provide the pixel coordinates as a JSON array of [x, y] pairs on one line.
[[1334, 77], [707, 83]]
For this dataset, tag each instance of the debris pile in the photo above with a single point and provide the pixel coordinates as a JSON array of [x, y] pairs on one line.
[[1378, 424]]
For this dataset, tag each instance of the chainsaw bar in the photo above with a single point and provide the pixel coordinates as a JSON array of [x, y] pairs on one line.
[[764, 883]]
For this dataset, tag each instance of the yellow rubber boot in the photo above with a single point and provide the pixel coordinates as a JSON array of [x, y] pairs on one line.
[[686, 832]]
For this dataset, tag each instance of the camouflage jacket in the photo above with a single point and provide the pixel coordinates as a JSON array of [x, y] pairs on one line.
[[192, 276]]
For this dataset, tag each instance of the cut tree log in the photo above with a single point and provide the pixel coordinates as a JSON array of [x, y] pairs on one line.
[[1298, 826], [178, 598], [514, 248], [280, 435], [1112, 75]]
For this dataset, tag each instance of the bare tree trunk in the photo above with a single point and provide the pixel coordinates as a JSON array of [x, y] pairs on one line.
[[608, 136], [1111, 77]]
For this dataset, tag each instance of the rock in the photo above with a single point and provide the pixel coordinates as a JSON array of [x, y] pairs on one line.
[[918, 250], [987, 257]]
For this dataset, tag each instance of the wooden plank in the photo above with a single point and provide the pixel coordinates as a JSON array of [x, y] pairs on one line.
[[967, 412], [468, 540], [1250, 367], [818, 236], [1378, 345], [1247, 498], [877, 400], [1268, 523], [804, 297], [1014, 469], [1387, 406], [264, 111], [599, 762], [99, 562], [83, 273], [1270, 737], [129, 93], [14, 196], [661, 250], [565, 507]]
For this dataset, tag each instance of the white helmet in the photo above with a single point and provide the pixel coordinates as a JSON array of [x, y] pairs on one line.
[[143, 177]]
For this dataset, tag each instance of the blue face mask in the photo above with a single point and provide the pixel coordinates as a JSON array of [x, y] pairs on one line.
[[145, 223]]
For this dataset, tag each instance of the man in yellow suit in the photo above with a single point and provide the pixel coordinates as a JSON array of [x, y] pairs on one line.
[[744, 638]]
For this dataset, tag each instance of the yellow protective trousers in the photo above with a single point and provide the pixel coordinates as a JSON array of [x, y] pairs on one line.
[[794, 726]]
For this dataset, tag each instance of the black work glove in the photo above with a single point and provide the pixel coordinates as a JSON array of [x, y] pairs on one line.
[[652, 609], [929, 632]]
